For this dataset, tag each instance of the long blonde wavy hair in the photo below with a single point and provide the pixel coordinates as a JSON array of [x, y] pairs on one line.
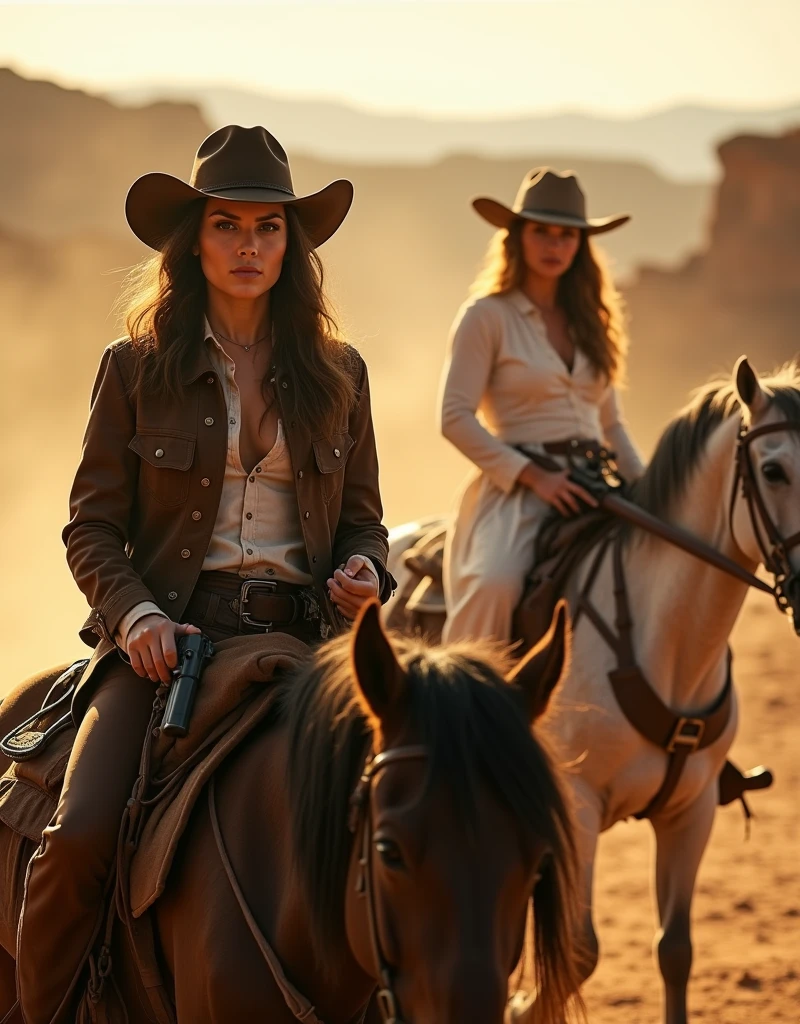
[[586, 293]]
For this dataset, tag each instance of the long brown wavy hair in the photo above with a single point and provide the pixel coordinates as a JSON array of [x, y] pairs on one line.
[[586, 293], [165, 301]]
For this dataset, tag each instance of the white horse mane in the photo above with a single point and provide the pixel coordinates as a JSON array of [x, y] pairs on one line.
[[683, 442]]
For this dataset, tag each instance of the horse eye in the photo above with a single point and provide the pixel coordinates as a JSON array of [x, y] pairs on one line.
[[389, 853], [774, 473]]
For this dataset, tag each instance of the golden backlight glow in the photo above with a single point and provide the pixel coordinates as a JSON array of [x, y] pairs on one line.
[[453, 59]]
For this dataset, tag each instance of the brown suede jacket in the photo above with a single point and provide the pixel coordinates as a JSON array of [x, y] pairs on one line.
[[146, 493]]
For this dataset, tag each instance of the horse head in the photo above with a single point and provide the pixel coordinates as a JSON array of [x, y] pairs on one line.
[[459, 819], [765, 512]]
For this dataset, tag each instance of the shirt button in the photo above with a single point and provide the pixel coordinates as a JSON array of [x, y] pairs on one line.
[[173, 595], [186, 553], [232, 421], [209, 380], [249, 515], [197, 515], [300, 475], [159, 453], [258, 469], [209, 421], [249, 551], [205, 482], [252, 479], [270, 572], [284, 385]]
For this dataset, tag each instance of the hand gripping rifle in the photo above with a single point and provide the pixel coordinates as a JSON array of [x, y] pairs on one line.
[[194, 653]]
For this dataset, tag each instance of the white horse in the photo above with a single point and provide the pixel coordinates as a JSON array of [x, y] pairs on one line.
[[683, 613]]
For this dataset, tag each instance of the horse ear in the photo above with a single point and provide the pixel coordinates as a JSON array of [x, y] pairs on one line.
[[376, 670], [539, 671], [748, 387]]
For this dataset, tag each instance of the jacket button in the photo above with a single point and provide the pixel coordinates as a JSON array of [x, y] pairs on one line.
[[300, 475], [159, 453], [209, 380], [197, 515], [252, 479], [284, 385], [173, 595], [205, 482], [209, 421], [336, 452], [307, 515], [249, 551], [186, 553], [313, 558]]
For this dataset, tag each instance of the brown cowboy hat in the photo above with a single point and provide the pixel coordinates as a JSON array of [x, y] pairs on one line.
[[548, 197], [240, 164]]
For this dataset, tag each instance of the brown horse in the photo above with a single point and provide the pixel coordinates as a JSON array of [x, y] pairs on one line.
[[387, 829]]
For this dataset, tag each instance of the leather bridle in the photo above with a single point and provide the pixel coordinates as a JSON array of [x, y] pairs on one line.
[[361, 818], [774, 548]]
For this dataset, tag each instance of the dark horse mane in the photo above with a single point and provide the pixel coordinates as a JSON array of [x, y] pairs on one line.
[[463, 710], [683, 443]]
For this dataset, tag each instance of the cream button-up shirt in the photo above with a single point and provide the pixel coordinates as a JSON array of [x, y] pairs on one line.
[[504, 384]]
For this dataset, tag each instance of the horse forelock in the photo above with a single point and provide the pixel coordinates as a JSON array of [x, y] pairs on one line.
[[682, 444], [462, 710]]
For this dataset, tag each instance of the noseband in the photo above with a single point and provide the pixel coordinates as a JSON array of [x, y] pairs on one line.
[[774, 548], [361, 817]]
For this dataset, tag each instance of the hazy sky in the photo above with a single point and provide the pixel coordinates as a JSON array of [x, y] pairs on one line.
[[441, 58]]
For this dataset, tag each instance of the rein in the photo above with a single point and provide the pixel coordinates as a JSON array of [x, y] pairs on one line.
[[361, 818], [774, 549]]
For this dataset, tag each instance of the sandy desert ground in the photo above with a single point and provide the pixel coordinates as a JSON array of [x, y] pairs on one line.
[[747, 904]]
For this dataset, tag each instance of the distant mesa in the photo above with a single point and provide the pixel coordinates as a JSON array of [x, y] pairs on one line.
[[739, 294], [677, 142]]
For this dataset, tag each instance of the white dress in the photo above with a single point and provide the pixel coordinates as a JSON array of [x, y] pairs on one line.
[[504, 385]]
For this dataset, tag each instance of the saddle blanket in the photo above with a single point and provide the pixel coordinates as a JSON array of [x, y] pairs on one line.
[[236, 693]]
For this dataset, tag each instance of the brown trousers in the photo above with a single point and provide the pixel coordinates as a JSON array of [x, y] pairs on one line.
[[72, 869]]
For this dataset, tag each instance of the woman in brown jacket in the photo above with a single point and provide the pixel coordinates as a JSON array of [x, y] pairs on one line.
[[228, 483]]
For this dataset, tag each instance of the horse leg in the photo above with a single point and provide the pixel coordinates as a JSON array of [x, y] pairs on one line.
[[522, 1008], [680, 842]]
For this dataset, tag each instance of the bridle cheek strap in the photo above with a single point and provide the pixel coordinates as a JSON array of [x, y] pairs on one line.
[[774, 548], [360, 823]]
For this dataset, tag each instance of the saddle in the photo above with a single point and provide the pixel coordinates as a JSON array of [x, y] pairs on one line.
[[237, 693], [561, 546]]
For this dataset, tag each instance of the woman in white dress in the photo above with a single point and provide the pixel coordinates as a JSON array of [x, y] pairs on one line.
[[535, 356]]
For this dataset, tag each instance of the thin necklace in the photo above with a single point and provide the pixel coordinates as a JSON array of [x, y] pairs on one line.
[[238, 344]]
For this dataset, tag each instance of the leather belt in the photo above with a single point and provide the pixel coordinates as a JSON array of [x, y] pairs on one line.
[[263, 604], [586, 447]]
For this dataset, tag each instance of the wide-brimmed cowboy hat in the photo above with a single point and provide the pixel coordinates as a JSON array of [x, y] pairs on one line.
[[241, 165], [549, 197]]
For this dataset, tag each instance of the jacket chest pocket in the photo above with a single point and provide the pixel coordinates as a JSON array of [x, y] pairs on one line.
[[166, 461], [330, 455]]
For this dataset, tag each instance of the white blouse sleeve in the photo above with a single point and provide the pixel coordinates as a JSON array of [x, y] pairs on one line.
[[616, 436], [468, 369]]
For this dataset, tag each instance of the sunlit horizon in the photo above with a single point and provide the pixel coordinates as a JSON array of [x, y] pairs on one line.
[[616, 59]]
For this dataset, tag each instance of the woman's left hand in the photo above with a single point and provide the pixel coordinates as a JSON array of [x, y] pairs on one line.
[[352, 586]]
